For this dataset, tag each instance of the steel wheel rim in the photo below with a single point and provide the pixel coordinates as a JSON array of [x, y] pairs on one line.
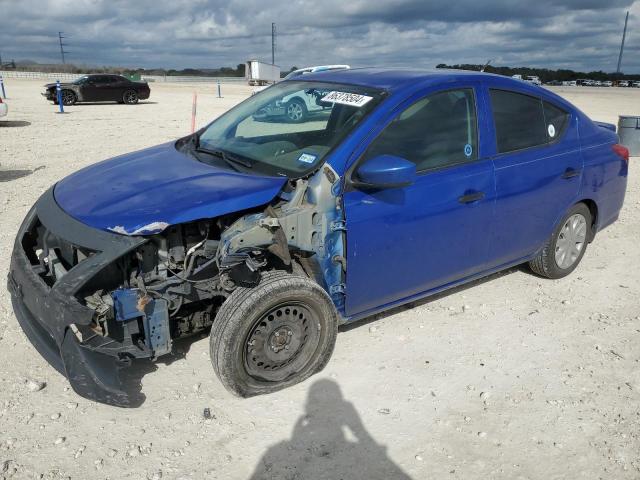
[[571, 241], [281, 342], [294, 111]]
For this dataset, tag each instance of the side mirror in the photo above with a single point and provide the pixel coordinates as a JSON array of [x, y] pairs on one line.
[[385, 171]]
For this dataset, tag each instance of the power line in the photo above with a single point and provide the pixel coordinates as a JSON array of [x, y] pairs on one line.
[[624, 35], [62, 45], [273, 44]]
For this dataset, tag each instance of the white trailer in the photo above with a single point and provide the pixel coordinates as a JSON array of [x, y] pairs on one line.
[[259, 73]]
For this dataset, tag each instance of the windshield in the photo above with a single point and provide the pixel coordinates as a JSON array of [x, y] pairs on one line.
[[289, 128], [80, 80]]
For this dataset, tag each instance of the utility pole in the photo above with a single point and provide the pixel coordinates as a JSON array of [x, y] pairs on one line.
[[273, 44], [62, 45], [624, 35]]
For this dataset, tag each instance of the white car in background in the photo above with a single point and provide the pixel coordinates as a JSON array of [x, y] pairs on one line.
[[4, 109], [532, 79], [296, 108]]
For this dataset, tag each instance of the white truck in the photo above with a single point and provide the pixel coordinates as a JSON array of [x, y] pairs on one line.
[[260, 73]]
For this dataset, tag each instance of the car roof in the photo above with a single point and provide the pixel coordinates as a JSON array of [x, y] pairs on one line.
[[399, 78]]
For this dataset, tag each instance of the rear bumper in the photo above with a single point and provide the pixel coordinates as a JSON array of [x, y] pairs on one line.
[[46, 313]]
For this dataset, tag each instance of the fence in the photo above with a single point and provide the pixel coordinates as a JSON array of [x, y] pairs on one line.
[[181, 79], [64, 77], [69, 77]]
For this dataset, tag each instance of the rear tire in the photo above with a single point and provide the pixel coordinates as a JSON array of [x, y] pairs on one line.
[[130, 97], [567, 245], [274, 335]]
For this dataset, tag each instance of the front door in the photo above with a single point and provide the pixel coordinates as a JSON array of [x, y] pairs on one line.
[[97, 89], [402, 242]]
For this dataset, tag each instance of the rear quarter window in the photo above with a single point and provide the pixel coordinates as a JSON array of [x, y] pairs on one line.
[[556, 120]]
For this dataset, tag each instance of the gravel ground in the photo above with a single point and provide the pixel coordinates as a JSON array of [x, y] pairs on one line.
[[511, 377]]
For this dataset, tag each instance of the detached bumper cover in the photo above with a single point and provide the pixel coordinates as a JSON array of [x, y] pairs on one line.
[[45, 313]]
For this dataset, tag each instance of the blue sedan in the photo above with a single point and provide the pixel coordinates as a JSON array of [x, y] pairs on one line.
[[271, 232]]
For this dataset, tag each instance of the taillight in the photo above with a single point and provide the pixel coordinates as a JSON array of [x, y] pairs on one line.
[[0, 99], [621, 151]]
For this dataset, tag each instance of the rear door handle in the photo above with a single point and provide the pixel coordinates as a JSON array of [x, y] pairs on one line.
[[570, 173], [471, 197]]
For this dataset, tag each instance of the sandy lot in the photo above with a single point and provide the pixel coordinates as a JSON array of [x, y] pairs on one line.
[[512, 377]]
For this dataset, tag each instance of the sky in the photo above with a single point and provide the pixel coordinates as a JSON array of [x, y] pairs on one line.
[[575, 34]]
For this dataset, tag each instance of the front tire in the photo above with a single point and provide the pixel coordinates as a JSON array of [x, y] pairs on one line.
[[130, 97], [274, 335], [562, 253], [68, 97]]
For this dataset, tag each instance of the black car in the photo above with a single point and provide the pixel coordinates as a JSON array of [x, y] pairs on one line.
[[99, 88]]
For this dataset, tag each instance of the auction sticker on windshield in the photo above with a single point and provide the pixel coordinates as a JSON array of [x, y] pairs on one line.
[[345, 98]]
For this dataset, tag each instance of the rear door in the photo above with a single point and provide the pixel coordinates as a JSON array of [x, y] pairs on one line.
[[402, 242], [538, 168], [118, 86]]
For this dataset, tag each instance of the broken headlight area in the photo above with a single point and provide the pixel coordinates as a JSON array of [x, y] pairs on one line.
[[168, 288]]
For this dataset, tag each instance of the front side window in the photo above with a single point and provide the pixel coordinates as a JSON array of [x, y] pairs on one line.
[[289, 128], [81, 81], [434, 132], [522, 121]]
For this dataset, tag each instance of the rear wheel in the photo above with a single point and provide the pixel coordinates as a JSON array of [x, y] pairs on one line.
[[274, 335], [562, 253], [130, 97]]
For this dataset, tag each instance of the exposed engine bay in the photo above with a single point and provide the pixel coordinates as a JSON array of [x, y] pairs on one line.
[[172, 285]]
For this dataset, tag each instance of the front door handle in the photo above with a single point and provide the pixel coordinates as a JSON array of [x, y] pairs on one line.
[[570, 173], [471, 197]]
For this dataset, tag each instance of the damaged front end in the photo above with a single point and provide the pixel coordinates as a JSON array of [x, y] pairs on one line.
[[93, 301]]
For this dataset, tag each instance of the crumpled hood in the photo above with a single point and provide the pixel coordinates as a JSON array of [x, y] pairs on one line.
[[146, 191]]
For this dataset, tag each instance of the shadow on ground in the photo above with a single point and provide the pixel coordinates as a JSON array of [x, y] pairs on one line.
[[10, 175], [80, 104], [14, 123], [131, 377], [327, 411], [328, 442], [433, 298]]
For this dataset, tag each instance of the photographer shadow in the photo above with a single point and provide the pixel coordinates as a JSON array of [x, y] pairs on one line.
[[328, 442]]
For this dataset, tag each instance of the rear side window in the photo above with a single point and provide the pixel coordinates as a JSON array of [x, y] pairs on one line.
[[556, 120], [519, 121]]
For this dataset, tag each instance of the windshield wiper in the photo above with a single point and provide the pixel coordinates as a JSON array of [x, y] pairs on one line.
[[231, 160]]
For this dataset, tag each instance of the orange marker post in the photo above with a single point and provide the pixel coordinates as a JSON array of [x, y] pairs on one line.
[[193, 112]]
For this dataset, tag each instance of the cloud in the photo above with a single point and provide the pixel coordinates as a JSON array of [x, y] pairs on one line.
[[578, 34]]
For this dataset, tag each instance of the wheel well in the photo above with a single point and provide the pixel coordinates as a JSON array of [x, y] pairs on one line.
[[593, 208]]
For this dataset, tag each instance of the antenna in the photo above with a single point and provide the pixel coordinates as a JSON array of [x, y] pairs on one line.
[[624, 35], [273, 44], [62, 45], [486, 65]]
